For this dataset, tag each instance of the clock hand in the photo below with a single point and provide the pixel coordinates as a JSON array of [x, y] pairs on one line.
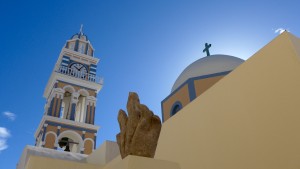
[[77, 68]]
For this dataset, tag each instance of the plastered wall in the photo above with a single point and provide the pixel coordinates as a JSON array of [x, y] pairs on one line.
[[249, 119]]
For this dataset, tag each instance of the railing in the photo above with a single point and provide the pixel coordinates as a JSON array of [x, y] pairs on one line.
[[81, 75]]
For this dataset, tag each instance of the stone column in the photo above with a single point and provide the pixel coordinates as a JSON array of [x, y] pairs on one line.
[[60, 97], [57, 134], [83, 137], [55, 99], [44, 134], [90, 110], [50, 107], [95, 138]]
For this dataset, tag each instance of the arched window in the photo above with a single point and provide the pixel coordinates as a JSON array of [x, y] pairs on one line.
[[80, 109], [70, 141], [175, 108], [66, 106]]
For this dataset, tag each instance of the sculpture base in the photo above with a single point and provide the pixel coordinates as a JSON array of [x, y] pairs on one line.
[[137, 162]]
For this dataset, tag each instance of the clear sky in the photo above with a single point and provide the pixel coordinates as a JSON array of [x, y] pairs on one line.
[[143, 46]]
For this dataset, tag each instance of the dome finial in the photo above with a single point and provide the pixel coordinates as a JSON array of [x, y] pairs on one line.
[[81, 29], [206, 49]]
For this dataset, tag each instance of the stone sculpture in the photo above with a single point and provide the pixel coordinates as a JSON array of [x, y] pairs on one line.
[[139, 130]]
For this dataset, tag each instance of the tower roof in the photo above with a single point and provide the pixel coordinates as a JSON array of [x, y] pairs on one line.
[[80, 34], [79, 42]]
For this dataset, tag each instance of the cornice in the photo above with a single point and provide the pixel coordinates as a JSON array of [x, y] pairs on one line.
[[66, 122]]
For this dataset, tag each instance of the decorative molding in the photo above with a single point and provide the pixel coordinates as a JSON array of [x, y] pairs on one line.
[[74, 101], [92, 98], [71, 80], [66, 122], [93, 142], [74, 54], [50, 132], [58, 90], [75, 94], [74, 136], [67, 87], [83, 92]]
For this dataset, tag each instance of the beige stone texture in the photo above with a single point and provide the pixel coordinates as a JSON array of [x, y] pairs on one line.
[[51, 128], [88, 147], [107, 152], [249, 119], [36, 162], [50, 140], [62, 85], [181, 95], [130, 162], [137, 162], [89, 135]]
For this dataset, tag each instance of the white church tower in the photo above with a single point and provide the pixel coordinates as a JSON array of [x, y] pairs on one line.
[[71, 95]]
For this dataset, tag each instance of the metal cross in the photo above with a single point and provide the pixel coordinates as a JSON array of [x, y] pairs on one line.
[[206, 49]]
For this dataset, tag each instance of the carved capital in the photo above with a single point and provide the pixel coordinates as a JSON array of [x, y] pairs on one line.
[[75, 94]]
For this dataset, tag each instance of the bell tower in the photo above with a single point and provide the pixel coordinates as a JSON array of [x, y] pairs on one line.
[[71, 95]]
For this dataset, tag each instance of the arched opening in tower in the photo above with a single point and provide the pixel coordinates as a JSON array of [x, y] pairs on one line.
[[80, 108], [69, 145], [66, 106]]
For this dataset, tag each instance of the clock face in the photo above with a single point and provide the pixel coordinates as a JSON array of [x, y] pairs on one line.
[[77, 67]]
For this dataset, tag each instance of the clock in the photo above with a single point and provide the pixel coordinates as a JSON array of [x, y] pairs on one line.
[[78, 67]]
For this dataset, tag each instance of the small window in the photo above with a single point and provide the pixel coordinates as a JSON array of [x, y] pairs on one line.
[[175, 108]]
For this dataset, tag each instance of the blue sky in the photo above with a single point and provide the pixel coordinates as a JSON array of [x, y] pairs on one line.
[[143, 46]]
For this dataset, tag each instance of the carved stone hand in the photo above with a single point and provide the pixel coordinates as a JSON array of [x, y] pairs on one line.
[[139, 130]]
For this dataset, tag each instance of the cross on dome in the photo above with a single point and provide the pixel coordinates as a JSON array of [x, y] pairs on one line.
[[206, 49]]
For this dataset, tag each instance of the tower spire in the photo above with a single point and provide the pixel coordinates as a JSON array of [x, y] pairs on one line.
[[81, 29]]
